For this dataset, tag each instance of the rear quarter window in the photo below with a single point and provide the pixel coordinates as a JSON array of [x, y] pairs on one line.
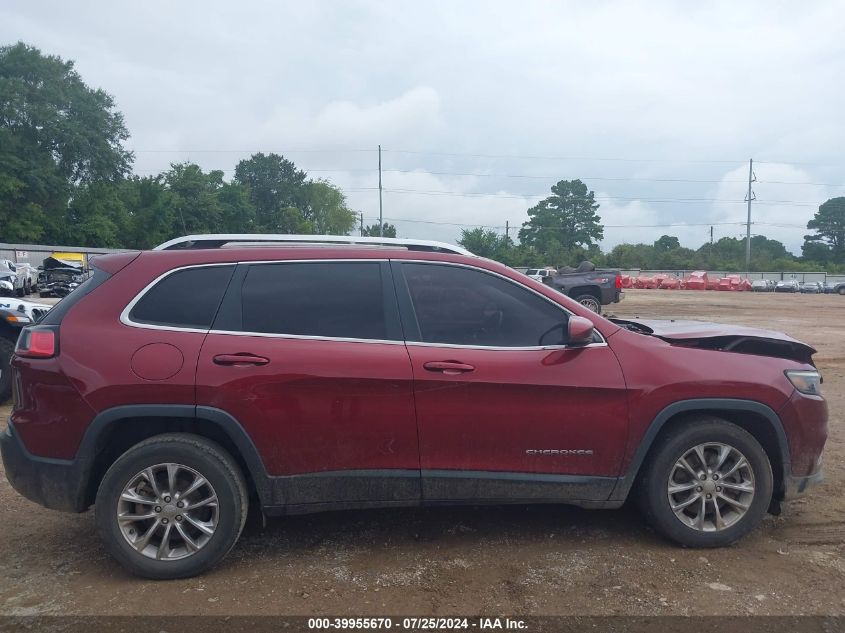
[[186, 298]]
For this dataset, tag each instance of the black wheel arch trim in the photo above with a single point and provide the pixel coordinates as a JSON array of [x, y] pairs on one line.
[[225, 422], [626, 481]]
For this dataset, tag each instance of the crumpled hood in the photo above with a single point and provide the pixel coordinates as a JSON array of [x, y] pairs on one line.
[[720, 336]]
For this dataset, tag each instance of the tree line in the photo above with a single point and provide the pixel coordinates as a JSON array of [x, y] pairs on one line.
[[66, 178], [565, 228]]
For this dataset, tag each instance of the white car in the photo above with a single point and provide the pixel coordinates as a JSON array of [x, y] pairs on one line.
[[540, 274]]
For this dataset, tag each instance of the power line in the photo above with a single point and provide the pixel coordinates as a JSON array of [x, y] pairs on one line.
[[373, 170], [473, 194], [584, 158]]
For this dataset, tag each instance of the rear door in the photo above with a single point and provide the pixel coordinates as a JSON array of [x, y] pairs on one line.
[[506, 410], [308, 356]]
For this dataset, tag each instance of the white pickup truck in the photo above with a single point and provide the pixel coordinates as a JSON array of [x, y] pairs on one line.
[[12, 283]]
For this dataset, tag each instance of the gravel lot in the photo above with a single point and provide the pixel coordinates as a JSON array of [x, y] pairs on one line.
[[513, 560]]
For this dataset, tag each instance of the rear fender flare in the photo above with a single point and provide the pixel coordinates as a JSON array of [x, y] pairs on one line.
[[202, 414]]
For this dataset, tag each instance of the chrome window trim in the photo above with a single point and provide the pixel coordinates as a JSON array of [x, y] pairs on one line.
[[602, 343], [124, 315], [125, 320], [307, 337]]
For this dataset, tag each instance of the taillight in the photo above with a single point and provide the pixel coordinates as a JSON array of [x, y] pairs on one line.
[[618, 282], [38, 342]]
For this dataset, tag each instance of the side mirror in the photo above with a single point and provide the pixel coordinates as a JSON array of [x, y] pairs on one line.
[[580, 331]]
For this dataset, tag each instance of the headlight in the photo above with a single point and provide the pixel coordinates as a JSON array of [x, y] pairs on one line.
[[809, 382]]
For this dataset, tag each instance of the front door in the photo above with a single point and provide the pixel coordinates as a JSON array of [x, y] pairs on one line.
[[309, 358], [505, 409]]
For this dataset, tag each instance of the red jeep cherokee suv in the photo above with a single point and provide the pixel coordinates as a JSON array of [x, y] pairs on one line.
[[177, 385]]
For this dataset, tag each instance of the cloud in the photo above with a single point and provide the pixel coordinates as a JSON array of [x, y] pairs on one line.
[[346, 123], [655, 104]]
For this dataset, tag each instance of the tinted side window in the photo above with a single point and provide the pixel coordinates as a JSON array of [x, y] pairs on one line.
[[334, 299], [186, 298], [461, 306]]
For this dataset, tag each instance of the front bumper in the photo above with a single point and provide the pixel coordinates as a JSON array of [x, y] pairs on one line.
[[54, 483]]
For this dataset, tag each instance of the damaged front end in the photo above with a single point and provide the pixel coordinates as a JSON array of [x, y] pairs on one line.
[[726, 338]]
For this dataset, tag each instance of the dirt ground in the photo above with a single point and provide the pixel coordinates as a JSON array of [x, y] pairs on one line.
[[512, 560]]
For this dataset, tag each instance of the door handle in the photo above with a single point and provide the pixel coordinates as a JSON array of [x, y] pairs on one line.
[[449, 367], [240, 359]]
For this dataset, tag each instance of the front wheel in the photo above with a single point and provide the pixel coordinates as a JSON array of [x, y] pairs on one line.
[[707, 484], [590, 302], [171, 506]]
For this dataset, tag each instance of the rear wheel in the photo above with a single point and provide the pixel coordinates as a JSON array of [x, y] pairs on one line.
[[842, 290], [171, 506], [589, 301], [707, 484]]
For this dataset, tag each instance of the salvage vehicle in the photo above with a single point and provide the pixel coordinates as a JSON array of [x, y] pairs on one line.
[[177, 386], [762, 285], [59, 277], [30, 277], [14, 315], [837, 288], [787, 285], [811, 287], [591, 287], [12, 284]]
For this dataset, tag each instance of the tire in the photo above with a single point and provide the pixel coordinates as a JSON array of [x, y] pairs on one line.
[[654, 496], [842, 291], [195, 456], [590, 302], [7, 349]]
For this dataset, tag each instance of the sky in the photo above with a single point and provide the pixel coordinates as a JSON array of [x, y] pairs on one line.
[[480, 106]]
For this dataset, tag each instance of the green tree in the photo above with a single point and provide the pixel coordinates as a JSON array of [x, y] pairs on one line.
[[484, 242], [326, 212], [829, 225], [277, 190], [152, 217], [564, 222], [96, 216], [666, 243], [193, 196], [389, 230], [55, 133]]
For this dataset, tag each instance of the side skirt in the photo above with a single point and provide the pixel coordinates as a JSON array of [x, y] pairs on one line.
[[361, 489]]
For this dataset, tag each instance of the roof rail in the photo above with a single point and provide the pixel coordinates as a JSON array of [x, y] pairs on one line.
[[215, 240]]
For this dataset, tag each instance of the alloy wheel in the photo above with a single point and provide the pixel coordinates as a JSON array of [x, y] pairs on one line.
[[711, 487], [168, 511], [591, 303]]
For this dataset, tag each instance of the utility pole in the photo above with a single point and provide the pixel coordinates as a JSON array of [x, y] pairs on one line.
[[361, 213], [380, 219], [507, 230], [749, 198]]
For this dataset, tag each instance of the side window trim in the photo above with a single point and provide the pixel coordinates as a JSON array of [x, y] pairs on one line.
[[124, 315], [411, 325], [229, 319]]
